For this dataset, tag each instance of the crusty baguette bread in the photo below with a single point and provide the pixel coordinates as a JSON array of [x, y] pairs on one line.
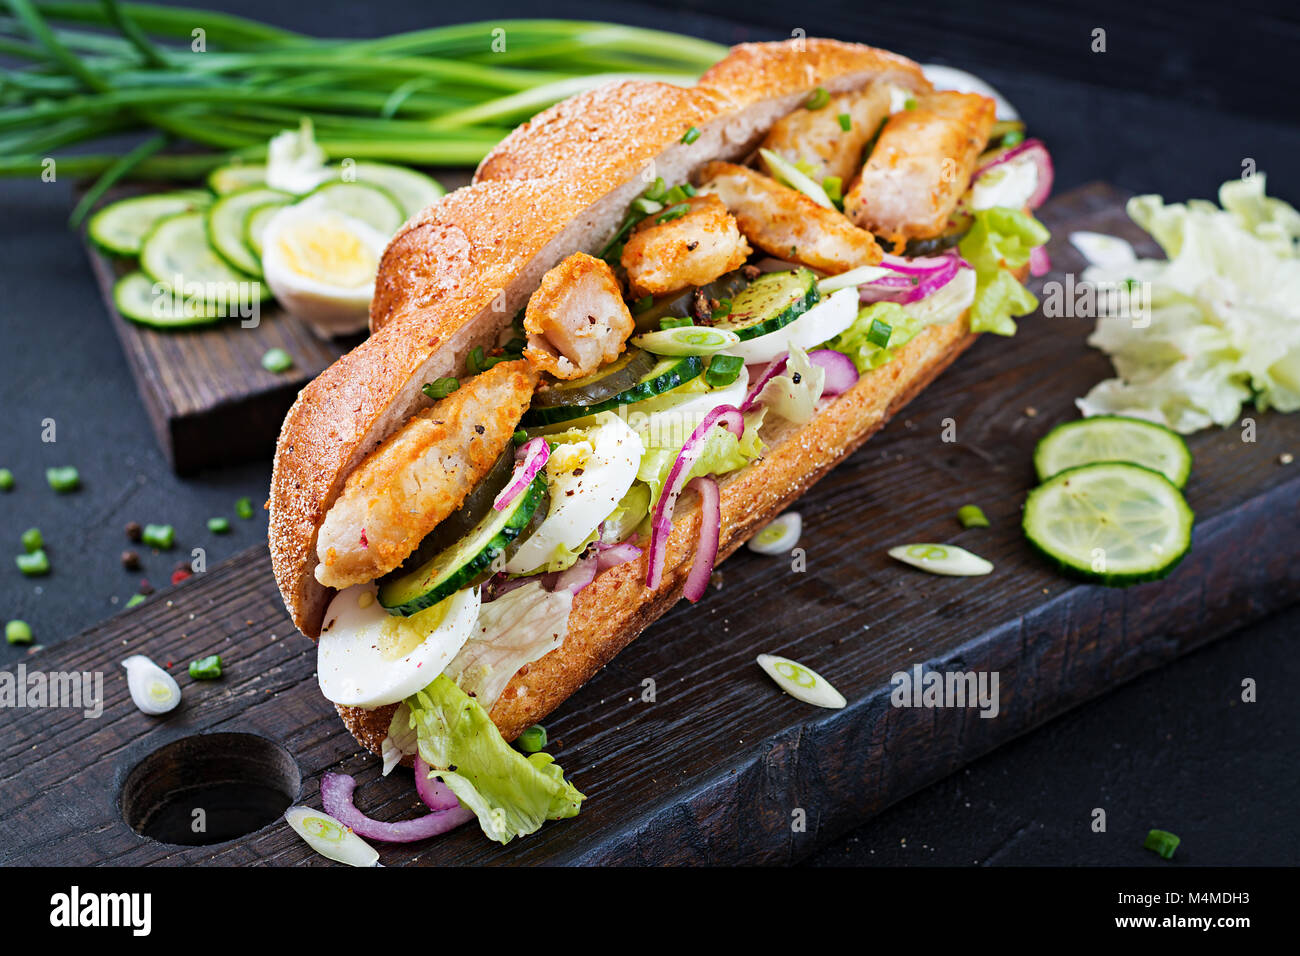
[[456, 274]]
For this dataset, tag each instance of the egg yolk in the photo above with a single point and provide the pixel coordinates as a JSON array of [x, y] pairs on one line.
[[328, 251], [399, 636]]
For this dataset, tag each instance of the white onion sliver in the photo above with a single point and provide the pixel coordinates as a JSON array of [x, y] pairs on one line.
[[847, 280], [941, 559], [152, 689], [780, 536], [800, 682], [330, 838]]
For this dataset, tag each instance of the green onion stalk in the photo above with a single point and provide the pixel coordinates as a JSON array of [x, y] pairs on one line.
[[83, 71]]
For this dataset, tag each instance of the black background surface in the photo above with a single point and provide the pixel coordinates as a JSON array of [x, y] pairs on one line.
[[1182, 97]]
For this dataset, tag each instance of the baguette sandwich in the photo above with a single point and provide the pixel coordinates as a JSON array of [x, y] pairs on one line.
[[653, 320]]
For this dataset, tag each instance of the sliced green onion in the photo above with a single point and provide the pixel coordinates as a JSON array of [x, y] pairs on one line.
[[687, 340], [244, 508], [640, 305], [18, 632], [206, 668], [440, 388], [779, 537], [219, 525], [971, 516], [1162, 842], [846, 121], [1014, 138], [941, 559], [722, 311], [277, 360], [160, 536], [909, 103], [672, 212], [818, 100], [801, 683], [135, 600], [788, 174], [532, 739], [646, 207], [153, 690], [33, 540], [520, 436], [330, 838], [675, 322], [6, 479], [63, 479], [833, 187], [691, 135], [34, 564], [723, 370], [879, 333]]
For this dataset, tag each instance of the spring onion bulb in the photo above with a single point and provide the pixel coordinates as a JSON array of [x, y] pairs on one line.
[[941, 559], [801, 683], [330, 838], [152, 689], [780, 536]]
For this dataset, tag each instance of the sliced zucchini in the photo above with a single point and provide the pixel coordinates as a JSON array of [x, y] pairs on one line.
[[467, 562], [1114, 523], [177, 253], [665, 375], [412, 190], [1113, 438], [255, 221], [225, 223], [134, 296], [226, 179], [371, 204], [769, 303], [119, 228]]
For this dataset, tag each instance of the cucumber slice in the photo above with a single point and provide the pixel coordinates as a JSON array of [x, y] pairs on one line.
[[467, 562], [371, 204], [665, 375], [255, 224], [1113, 438], [226, 179], [770, 302], [1114, 523], [412, 190], [225, 222], [177, 250], [119, 228], [133, 294]]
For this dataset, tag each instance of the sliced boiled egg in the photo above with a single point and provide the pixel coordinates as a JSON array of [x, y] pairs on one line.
[[587, 478], [321, 265], [367, 657], [669, 419], [825, 320]]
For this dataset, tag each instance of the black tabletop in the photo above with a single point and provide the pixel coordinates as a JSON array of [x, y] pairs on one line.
[[1181, 97]]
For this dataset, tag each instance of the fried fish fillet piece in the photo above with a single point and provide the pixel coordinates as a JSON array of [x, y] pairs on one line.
[[819, 139], [921, 165], [577, 320], [420, 475], [693, 249], [787, 224]]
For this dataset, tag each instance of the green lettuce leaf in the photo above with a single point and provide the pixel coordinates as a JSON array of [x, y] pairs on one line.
[[722, 452], [999, 242], [512, 795], [867, 355]]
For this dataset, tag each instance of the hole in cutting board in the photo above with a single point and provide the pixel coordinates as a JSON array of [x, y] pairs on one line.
[[209, 788]]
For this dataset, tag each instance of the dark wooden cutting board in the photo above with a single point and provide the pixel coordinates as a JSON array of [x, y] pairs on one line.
[[209, 400], [721, 766]]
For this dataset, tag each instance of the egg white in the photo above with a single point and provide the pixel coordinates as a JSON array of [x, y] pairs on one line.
[[367, 657], [825, 320], [586, 480]]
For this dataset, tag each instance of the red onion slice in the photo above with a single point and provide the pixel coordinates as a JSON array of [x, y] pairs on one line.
[[336, 796], [532, 455], [1039, 262], [661, 527], [1036, 151], [434, 793], [706, 552], [611, 556], [841, 375], [920, 266]]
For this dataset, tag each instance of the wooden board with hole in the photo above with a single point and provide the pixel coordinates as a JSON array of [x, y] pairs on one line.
[[714, 769], [209, 400]]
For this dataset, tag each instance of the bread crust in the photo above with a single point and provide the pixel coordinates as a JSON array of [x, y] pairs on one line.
[[456, 274]]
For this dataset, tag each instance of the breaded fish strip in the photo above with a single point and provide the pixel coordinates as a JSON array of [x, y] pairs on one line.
[[576, 320], [921, 165], [691, 250], [786, 223], [420, 475], [817, 137]]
